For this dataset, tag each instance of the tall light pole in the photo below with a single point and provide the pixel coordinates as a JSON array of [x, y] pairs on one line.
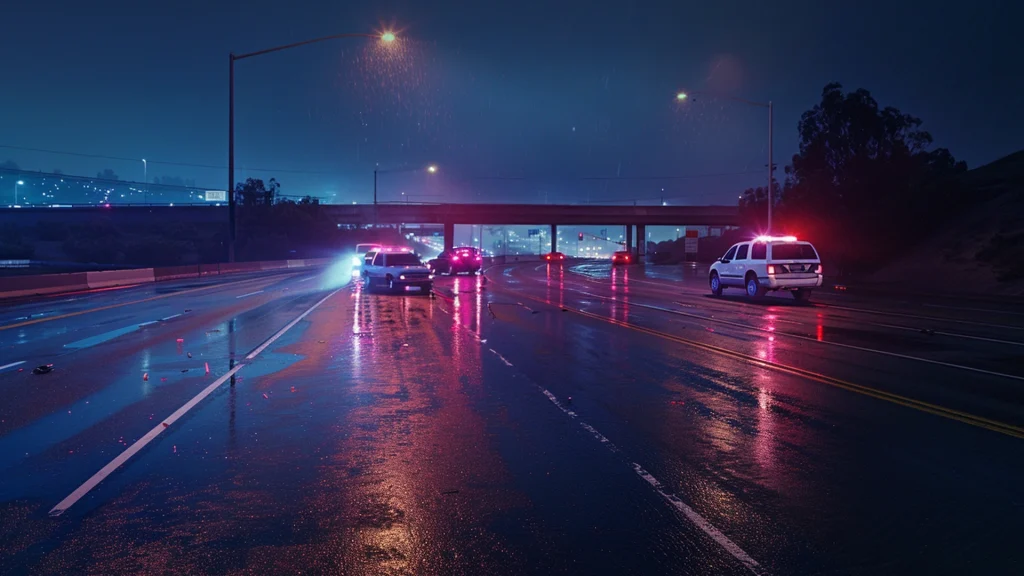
[[431, 169], [386, 37], [16, 184], [145, 182], [683, 96]]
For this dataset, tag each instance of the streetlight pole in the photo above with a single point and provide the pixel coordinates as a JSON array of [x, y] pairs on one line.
[[145, 182], [771, 168], [682, 96], [16, 184], [386, 37], [231, 157]]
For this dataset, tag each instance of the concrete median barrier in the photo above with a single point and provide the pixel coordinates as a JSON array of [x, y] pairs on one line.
[[14, 286], [108, 278], [42, 284], [176, 272]]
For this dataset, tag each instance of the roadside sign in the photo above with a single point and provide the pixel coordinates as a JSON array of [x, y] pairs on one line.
[[216, 196], [690, 242]]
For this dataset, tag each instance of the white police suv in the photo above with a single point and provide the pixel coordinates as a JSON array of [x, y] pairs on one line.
[[396, 269], [768, 263]]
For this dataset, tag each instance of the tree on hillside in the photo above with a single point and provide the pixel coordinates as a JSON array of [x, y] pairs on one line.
[[865, 183], [9, 165], [107, 174], [253, 192]]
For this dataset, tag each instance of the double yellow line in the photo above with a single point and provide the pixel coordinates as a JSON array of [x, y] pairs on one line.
[[966, 418]]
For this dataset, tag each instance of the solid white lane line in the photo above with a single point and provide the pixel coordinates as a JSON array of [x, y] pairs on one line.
[[810, 339], [282, 331], [249, 294], [987, 310], [920, 317], [307, 279], [954, 334], [707, 527], [13, 364], [139, 444], [171, 317]]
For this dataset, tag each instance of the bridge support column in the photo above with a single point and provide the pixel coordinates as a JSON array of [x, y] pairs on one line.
[[554, 237], [629, 238], [449, 236], [641, 242]]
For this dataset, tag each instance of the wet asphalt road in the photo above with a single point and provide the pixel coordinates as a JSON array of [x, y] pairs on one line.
[[564, 420]]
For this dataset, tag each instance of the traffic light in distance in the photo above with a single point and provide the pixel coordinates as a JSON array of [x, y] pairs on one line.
[[581, 235]]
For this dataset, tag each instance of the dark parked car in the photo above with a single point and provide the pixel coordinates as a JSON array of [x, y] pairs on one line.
[[458, 260], [622, 257], [554, 257]]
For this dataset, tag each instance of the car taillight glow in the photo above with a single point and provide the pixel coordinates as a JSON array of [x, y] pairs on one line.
[[479, 259], [819, 270], [771, 269], [455, 258]]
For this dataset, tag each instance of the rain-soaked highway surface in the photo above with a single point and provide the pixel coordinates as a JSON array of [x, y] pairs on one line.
[[573, 419]]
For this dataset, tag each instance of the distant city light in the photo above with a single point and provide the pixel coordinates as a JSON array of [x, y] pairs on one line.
[[388, 37], [681, 96], [431, 168]]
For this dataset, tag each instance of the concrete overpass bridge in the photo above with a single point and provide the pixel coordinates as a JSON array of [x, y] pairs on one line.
[[448, 215], [553, 215]]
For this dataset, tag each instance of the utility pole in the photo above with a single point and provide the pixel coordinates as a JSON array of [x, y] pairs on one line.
[[231, 157], [771, 168]]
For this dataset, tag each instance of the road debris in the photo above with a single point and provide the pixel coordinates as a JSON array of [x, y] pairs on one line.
[[44, 369]]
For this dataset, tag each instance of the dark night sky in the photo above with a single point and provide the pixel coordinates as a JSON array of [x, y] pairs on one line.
[[548, 94]]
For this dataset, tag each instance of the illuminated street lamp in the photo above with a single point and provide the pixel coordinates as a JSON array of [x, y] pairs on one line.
[[16, 184], [387, 37], [683, 96], [432, 169]]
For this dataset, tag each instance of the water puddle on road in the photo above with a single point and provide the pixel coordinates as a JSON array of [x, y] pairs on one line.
[[101, 338]]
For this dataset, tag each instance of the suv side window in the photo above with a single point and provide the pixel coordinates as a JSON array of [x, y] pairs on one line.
[[741, 254], [368, 258], [729, 255], [378, 260], [758, 251]]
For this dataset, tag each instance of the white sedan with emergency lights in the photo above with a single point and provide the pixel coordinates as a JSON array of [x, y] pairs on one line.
[[768, 263], [396, 269]]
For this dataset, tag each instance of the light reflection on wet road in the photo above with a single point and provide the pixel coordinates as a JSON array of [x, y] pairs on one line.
[[412, 435]]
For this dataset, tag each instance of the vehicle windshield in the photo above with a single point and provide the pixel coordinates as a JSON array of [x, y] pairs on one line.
[[402, 259], [793, 251]]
